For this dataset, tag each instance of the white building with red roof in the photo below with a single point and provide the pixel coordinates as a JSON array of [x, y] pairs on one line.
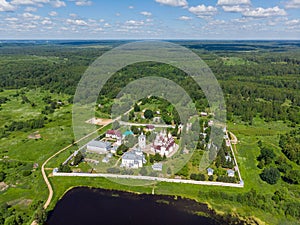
[[163, 144], [115, 134]]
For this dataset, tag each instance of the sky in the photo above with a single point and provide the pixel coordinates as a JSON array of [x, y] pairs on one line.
[[150, 19]]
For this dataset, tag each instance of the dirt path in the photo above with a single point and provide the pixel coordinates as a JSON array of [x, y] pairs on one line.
[[51, 157], [63, 149]]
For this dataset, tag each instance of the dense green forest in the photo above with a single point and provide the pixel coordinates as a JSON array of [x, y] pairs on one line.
[[263, 82], [261, 85]]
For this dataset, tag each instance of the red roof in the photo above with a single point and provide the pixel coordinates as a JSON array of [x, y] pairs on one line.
[[114, 132], [110, 132]]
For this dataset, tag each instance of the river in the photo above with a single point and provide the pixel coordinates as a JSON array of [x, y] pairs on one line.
[[92, 206]]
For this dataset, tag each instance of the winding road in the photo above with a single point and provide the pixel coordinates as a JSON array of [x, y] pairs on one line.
[[51, 157]]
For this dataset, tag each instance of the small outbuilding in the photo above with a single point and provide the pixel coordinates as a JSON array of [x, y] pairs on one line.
[[230, 173], [157, 166], [210, 171]]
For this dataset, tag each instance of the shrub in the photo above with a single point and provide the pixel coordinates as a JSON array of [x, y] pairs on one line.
[[26, 173], [270, 175]]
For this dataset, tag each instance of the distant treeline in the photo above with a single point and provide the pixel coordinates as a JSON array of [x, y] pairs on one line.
[[265, 83]]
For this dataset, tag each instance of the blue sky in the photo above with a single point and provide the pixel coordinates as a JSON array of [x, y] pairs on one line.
[[149, 19]]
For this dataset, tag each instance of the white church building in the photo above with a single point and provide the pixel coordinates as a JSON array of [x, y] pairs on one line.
[[163, 144], [133, 159]]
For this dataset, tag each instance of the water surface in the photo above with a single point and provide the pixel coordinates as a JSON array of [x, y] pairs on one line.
[[91, 206]]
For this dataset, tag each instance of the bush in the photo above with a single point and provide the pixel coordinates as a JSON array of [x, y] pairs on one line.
[[226, 179], [2, 176], [64, 168], [148, 114], [113, 170], [293, 177], [270, 175], [78, 158], [26, 173], [200, 176]]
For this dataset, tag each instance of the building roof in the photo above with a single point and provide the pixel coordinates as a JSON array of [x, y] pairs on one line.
[[210, 170], [228, 158], [133, 155], [230, 172], [114, 132], [99, 144], [150, 126], [128, 132], [157, 166]]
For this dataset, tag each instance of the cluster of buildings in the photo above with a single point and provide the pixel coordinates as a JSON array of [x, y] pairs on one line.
[[164, 144], [230, 173]]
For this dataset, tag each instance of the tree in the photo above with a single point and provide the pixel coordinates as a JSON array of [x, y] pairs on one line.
[[122, 149], [10, 221], [184, 171], [26, 173], [293, 177], [270, 175], [169, 171], [199, 176], [143, 171], [40, 215], [131, 115], [2, 176], [131, 140], [148, 114], [115, 125], [64, 168], [136, 108], [135, 129], [267, 155], [157, 157], [78, 158]]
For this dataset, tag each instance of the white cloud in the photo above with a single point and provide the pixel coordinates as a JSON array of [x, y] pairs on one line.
[[234, 8], [77, 22], [130, 7], [264, 12], [102, 20], [6, 6], [293, 22], [184, 18], [46, 22], [107, 25], [234, 2], [83, 3], [58, 3], [52, 13], [173, 2], [30, 16], [11, 19], [29, 2], [203, 11], [293, 4], [30, 9], [118, 14], [146, 13], [98, 29], [134, 23], [73, 15]]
